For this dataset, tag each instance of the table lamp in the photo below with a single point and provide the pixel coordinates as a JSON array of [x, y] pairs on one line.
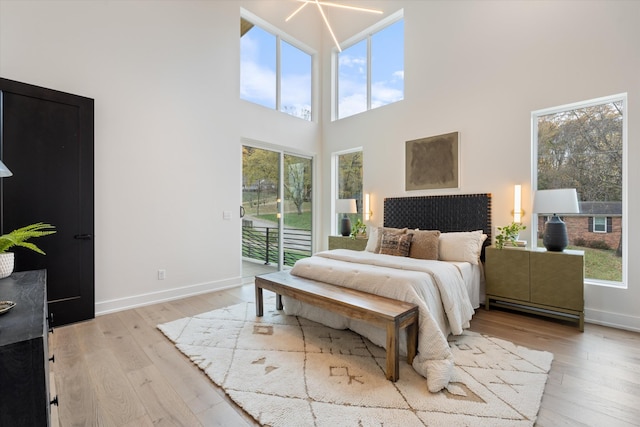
[[558, 201], [346, 206]]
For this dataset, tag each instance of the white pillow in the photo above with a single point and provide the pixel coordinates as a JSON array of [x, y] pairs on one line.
[[461, 246], [372, 243]]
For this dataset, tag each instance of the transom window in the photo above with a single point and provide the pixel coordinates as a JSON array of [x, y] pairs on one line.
[[370, 70], [274, 72]]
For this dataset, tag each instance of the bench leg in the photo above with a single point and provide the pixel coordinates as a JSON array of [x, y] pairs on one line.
[[259, 301], [393, 347], [279, 305], [412, 341]]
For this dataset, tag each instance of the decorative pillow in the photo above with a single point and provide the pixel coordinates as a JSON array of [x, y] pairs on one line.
[[375, 237], [424, 244], [395, 244], [372, 242], [461, 246]]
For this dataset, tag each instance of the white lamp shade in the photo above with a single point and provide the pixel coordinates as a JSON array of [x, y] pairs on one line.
[[558, 201], [4, 171], [346, 206]]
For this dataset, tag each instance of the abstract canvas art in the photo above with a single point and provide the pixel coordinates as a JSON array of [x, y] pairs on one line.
[[432, 162]]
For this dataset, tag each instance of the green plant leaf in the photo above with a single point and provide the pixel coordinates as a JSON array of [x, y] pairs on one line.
[[19, 236]]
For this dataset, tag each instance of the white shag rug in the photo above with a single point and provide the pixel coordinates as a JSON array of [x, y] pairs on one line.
[[289, 371]]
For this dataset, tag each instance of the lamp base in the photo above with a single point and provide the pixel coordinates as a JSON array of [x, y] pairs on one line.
[[345, 226], [555, 237]]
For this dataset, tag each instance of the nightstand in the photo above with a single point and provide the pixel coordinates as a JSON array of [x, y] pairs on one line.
[[536, 281], [346, 242]]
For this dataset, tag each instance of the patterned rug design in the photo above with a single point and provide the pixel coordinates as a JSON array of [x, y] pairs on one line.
[[289, 371]]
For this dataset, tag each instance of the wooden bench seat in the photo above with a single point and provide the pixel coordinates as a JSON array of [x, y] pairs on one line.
[[383, 312]]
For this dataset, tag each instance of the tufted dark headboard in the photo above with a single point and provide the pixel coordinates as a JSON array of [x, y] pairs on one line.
[[461, 212]]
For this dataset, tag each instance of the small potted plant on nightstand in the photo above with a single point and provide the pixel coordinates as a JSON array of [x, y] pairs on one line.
[[509, 234], [19, 237], [359, 230]]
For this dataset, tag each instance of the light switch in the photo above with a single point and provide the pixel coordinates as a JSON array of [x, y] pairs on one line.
[[226, 215]]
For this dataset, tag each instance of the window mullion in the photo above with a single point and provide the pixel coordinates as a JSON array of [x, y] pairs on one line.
[[278, 74], [369, 72]]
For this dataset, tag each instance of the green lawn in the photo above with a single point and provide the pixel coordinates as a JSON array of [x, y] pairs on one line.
[[601, 264], [291, 219]]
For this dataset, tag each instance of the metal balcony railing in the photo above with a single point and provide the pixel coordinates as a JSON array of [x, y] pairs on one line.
[[261, 243]]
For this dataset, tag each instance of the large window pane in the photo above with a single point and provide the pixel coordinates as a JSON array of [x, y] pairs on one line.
[[349, 181], [387, 65], [296, 82], [258, 67], [582, 147], [352, 80]]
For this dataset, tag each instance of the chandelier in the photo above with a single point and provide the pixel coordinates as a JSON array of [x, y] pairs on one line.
[[319, 4]]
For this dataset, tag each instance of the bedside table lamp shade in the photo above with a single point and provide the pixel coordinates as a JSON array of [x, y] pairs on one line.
[[558, 201], [346, 206]]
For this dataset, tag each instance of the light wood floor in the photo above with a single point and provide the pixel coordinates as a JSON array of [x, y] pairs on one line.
[[119, 370]]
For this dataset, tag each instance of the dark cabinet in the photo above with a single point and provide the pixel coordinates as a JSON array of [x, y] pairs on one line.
[[24, 353]]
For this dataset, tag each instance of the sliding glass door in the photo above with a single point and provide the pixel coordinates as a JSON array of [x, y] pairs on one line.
[[276, 202]]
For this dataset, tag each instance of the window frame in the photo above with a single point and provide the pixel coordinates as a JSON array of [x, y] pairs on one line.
[[367, 34], [281, 36], [620, 97]]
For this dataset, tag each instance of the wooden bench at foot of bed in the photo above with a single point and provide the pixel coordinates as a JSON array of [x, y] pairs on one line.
[[383, 312]]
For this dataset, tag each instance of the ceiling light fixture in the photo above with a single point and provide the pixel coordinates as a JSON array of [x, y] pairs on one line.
[[324, 17]]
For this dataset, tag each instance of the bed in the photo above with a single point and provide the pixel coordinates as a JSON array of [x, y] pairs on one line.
[[446, 237]]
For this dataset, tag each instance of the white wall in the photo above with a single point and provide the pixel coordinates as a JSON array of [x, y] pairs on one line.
[[481, 68], [168, 131], [169, 124]]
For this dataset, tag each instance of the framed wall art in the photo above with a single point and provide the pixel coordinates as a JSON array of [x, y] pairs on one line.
[[432, 163]]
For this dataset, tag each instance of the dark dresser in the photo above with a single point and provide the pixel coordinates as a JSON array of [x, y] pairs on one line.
[[24, 353]]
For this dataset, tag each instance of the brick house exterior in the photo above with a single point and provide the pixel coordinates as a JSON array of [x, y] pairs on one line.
[[607, 218]]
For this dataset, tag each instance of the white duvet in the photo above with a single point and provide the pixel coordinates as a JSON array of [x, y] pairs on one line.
[[436, 287]]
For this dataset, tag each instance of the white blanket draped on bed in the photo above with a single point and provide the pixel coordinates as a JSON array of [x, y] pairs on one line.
[[436, 287]]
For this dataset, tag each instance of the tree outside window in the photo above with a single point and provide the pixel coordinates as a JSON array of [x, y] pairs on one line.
[[349, 180]]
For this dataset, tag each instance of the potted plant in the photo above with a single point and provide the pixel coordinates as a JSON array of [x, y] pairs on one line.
[[19, 237], [359, 229], [509, 234]]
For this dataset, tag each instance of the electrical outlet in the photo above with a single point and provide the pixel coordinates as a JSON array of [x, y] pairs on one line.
[[162, 274]]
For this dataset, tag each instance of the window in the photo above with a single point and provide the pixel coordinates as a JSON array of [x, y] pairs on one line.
[[370, 71], [273, 72], [583, 146], [599, 224], [348, 181]]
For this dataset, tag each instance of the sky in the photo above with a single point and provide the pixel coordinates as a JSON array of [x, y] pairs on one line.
[[258, 72]]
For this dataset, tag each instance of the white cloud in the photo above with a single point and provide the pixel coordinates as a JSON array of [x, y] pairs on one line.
[[257, 82], [398, 74]]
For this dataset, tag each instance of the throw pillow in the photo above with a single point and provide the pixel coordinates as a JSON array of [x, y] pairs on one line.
[[395, 244], [375, 237], [424, 244]]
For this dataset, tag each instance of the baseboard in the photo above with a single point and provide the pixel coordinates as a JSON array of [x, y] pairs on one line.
[[613, 320], [120, 304]]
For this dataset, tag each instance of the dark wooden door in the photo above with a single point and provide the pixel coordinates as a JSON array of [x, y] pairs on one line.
[[47, 142]]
